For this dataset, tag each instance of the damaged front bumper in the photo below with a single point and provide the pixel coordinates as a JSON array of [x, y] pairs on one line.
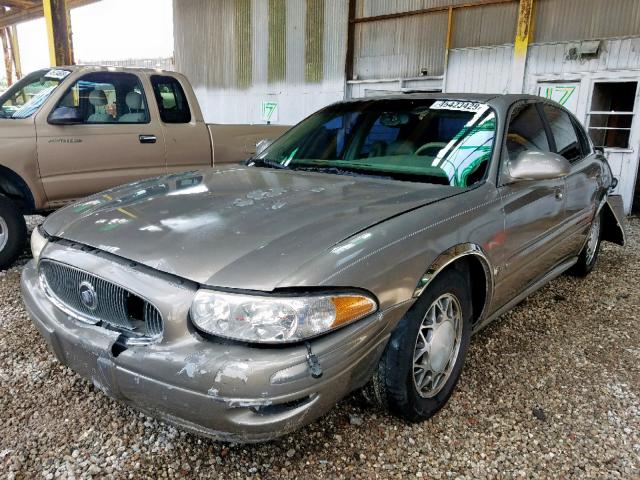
[[226, 390]]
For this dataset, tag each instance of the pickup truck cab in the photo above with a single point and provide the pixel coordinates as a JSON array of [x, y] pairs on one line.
[[68, 132]]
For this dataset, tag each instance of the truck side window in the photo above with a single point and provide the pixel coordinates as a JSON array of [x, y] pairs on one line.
[[104, 97], [172, 102]]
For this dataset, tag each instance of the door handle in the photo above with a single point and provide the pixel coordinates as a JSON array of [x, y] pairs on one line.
[[559, 194], [147, 138]]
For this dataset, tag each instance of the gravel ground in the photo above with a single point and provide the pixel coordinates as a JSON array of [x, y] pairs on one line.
[[550, 390]]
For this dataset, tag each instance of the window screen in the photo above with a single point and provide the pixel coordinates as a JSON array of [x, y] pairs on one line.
[[172, 102], [611, 113]]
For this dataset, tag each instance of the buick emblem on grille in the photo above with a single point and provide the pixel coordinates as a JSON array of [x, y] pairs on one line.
[[88, 295]]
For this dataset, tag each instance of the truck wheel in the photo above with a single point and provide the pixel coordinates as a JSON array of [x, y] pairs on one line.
[[13, 232]]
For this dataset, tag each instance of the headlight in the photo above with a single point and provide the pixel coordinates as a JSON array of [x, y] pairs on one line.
[[271, 319], [38, 242]]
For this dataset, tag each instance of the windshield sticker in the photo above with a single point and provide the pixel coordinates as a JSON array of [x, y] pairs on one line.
[[57, 74], [457, 105]]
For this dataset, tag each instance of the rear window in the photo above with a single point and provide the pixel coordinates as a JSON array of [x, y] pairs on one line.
[[172, 102]]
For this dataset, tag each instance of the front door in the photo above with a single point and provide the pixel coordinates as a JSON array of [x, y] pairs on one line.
[[533, 211], [108, 139]]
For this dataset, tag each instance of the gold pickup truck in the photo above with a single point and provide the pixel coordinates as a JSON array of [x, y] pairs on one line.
[[68, 132]]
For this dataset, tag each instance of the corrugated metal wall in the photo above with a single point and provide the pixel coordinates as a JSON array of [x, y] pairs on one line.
[[238, 53], [481, 70], [562, 20], [484, 25], [401, 47], [371, 8]]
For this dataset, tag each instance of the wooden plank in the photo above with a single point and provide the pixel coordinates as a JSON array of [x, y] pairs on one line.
[[56, 14]]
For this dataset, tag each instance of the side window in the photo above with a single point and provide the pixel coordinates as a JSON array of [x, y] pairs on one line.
[[104, 97], [526, 131], [172, 102], [564, 133]]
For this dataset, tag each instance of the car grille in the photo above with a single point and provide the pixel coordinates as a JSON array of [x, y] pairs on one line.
[[104, 302]]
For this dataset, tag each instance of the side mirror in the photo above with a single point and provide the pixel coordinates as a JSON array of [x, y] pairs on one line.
[[262, 145], [533, 165], [65, 116]]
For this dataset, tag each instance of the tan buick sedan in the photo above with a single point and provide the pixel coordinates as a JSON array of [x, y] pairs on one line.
[[360, 250]]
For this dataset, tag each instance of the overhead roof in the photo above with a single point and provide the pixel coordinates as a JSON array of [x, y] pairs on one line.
[[16, 11]]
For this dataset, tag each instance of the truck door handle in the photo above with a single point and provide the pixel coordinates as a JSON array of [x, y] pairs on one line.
[[559, 194], [147, 138]]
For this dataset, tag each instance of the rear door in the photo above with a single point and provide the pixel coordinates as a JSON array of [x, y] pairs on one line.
[[188, 143], [113, 140], [583, 184], [533, 209]]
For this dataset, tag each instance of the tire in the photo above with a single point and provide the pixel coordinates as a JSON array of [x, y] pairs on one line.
[[589, 254], [396, 382], [13, 232]]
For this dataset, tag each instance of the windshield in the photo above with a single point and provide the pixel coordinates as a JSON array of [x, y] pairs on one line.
[[433, 141], [25, 97]]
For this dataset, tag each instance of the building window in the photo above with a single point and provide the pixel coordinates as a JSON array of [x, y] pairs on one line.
[[611, 114]]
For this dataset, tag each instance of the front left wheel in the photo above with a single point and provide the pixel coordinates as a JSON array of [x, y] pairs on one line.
[[423, 360]]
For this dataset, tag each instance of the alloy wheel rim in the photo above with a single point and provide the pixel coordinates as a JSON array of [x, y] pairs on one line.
[[594, 238], [437, 345], [4, 233]]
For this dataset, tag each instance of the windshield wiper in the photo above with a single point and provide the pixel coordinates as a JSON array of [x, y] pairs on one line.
[[265, 162], [342, 171]]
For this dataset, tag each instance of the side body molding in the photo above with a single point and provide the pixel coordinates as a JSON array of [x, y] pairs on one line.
[[447, 258]]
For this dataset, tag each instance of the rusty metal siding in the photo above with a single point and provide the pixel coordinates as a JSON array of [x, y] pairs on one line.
[[484, 25], [372, 8], [336, 13], [199, 28], [240, 53], [242, 34], [401, 48], [481, 70], [277, 40], [314, 45], [566, 20]]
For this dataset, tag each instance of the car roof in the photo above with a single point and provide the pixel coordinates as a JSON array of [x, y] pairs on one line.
[[496, 100]]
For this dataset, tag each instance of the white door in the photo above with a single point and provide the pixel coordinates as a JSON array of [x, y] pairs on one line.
[[612, 120]]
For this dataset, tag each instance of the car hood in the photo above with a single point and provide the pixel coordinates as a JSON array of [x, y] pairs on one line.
[[239, 227]]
